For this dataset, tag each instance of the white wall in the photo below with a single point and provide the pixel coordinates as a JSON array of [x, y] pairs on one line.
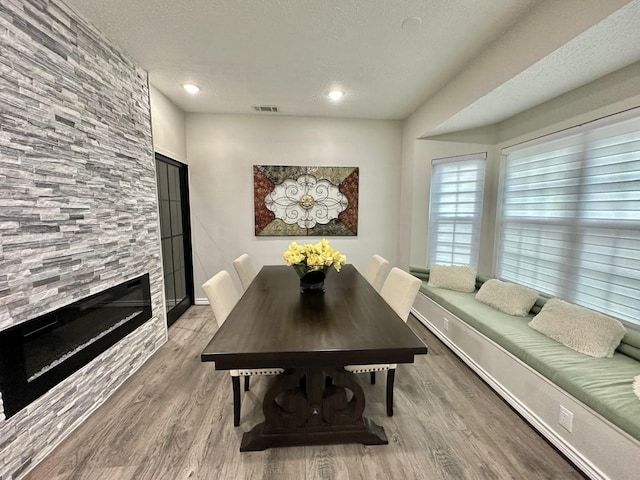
[[222, 151], [167, 127]]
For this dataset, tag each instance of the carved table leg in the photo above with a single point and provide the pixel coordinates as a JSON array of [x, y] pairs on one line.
[[309, 406]]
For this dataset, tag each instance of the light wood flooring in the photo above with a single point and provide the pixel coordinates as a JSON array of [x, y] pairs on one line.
[[173, 420]]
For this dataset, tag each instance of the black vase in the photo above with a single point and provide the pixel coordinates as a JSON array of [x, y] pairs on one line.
[[312, 282]]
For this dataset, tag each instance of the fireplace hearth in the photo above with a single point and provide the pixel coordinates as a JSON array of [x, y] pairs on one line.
[[38, 354]]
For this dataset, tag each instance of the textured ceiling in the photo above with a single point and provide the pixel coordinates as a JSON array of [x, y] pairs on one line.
[[604, 48], [290, 53]]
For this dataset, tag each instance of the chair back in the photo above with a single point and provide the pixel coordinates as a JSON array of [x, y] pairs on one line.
[[245, 269], [400, 290], [222, 295], [376, 271]]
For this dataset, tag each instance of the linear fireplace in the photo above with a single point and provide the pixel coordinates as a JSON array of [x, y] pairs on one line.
[[40, 353]]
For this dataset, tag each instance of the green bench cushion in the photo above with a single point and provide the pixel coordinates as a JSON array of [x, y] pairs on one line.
[[630, 345], [604, 384]]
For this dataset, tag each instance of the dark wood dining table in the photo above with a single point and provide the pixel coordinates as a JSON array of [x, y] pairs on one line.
[[312, 336]]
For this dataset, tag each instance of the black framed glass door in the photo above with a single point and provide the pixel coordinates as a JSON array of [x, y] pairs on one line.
[[175, 235]]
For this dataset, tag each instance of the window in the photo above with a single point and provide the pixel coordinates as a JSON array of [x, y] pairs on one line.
[[455, 211], [570, 223]]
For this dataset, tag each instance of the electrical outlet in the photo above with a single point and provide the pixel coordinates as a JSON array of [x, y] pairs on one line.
[[446, 324], [566, 419]]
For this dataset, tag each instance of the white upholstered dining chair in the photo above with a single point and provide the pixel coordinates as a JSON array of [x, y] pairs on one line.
[[399, 291], [245, 270], [376, 271], [223, 296]]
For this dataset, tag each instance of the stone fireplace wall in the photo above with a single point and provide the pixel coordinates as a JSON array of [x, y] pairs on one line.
[[78, 208]]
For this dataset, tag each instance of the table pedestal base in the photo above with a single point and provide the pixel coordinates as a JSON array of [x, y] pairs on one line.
[[256, 439], [311, 406]]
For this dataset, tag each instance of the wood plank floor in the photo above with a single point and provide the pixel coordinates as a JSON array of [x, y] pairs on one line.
[[173, 420]]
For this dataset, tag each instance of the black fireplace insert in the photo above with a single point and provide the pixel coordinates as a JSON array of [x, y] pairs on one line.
[[40, 353]]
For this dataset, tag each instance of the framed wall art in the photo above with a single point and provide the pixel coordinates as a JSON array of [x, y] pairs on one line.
[[305, 201]]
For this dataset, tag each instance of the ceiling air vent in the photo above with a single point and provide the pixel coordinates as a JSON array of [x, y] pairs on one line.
[[266, 108]]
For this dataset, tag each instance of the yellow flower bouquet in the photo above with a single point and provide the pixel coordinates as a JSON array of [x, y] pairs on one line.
[[311, 262]]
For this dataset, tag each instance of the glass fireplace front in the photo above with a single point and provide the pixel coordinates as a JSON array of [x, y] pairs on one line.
[[38, 354]]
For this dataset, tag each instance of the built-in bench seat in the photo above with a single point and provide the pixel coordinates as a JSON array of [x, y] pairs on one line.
[[602, 384]]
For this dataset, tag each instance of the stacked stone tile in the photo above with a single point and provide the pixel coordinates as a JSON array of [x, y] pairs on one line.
[[78, 209]]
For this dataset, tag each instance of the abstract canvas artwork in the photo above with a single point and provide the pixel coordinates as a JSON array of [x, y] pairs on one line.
[[305, 201]]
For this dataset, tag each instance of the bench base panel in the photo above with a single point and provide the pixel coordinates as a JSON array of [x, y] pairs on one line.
[[596, 446]]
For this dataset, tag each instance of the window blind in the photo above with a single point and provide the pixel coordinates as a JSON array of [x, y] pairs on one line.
[[455, 210], [570, 220]]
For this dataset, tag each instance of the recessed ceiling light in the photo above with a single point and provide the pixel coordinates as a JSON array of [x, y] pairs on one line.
[[336, 95], [191, 88]]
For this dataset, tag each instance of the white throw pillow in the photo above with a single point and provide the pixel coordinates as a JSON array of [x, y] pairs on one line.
[[507, 297], [579, 328], [461, 278]]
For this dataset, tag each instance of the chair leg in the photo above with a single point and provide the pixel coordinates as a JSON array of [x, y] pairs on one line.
[[373, 378], [391, 375], [246, 383], [235, 381]]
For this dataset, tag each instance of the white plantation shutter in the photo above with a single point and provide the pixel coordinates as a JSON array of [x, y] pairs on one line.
[[570, 223], [455, 210]]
